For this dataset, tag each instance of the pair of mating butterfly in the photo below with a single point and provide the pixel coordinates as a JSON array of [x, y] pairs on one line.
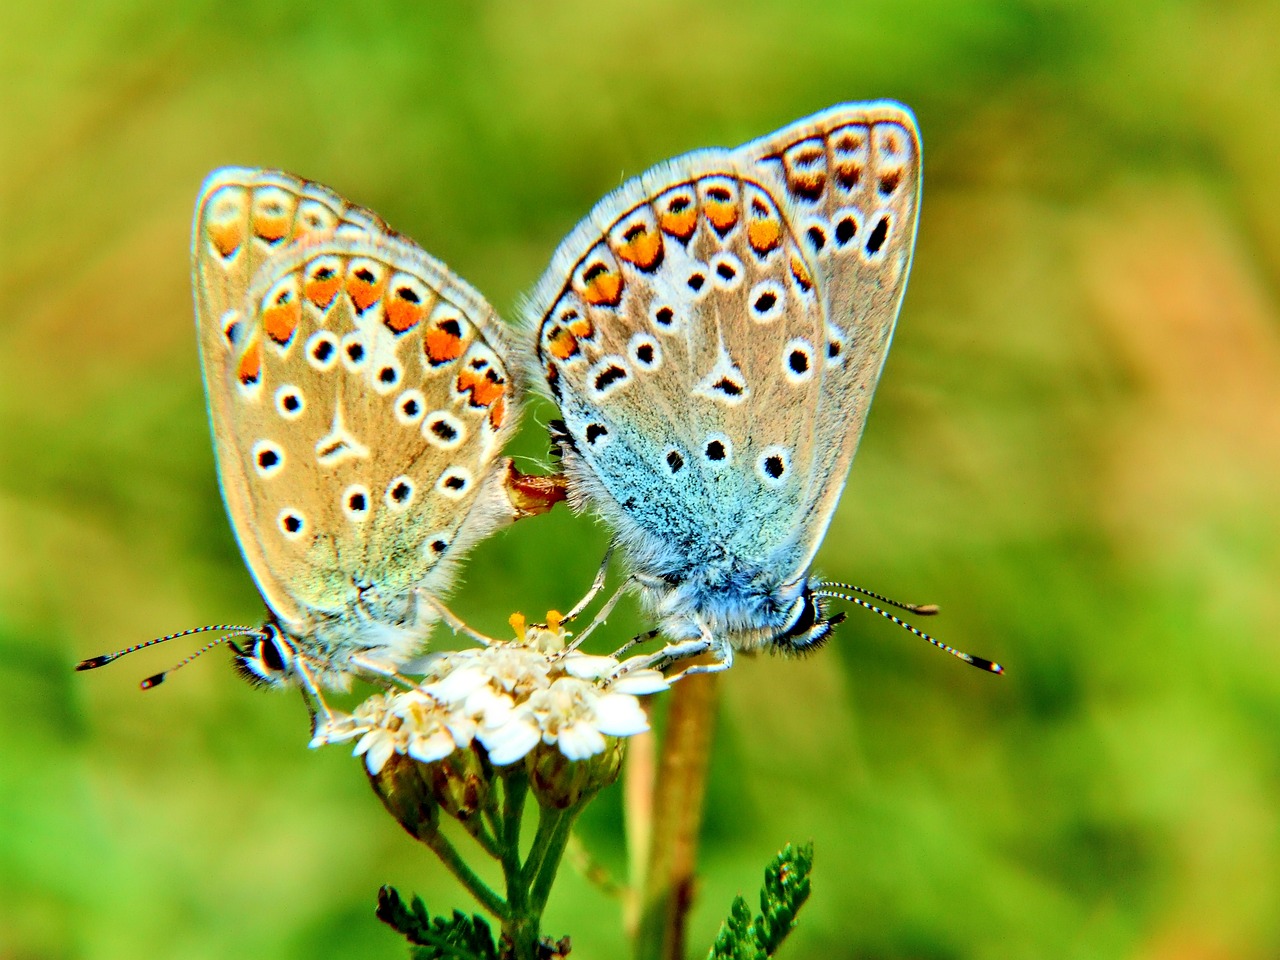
[[712, 334]]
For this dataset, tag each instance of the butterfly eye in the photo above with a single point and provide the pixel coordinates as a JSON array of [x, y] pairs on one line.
[[355, 502], [289, 402]]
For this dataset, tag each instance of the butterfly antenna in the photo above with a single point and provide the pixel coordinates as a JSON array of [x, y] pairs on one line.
[[919, 609], [980, 662], [158, 678], [103, 659]]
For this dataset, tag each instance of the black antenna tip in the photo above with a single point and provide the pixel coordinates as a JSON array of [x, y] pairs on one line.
[[983, 664], [94, 662], [153, 681], [924, 609]]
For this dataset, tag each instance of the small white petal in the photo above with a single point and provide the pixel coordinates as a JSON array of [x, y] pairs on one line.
[[457, 685], [640, 682], [511, 741], [430, 749], [588, 667], [379, 754], [620, 715], [581, 741]]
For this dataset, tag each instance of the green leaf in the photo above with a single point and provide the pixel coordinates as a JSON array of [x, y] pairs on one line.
[[786, 888], [459, 937]]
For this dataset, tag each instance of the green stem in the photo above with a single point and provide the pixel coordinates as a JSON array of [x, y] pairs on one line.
[[550, 860], [443, 849], [515, 789], [475, 826], [547, 820]]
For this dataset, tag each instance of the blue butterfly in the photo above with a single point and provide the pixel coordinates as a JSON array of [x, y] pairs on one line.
[[712, 334]]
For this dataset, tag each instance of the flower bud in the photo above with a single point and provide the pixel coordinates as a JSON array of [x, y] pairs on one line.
[[407, 795], [560, 783]]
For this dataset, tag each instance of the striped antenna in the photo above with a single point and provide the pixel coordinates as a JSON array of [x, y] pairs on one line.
[[158, 678], [980, 662], [919, 609], [103, 659]]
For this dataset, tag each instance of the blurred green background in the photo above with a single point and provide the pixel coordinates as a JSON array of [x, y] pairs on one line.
[[1075, 450]]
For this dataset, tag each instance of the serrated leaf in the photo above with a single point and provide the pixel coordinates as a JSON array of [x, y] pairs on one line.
[[786, 888], [458, 937]]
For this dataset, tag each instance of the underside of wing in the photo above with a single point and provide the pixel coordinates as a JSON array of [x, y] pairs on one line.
[[848, 180], [360, 396], [677, 315]]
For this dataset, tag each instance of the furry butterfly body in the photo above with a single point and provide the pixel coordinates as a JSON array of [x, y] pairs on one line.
[[712, 334]]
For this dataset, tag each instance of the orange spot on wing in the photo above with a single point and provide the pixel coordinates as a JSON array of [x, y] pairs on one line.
[[562, 344], [602, 286], [271, 222], [280, 318], [365, 285], [801, 274], [250, 368], [722, 214], [642, 246], [679, 217], [226, 237], [484, 387], [764, 235], [403, 313], [497, 412], [442, 345], [322, 286]]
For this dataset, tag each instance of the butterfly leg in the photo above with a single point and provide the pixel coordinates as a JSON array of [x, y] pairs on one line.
[[322, 719], [454, 622], [596, 586], [674, 653], [381, 670], [635, 642], [601, 616]]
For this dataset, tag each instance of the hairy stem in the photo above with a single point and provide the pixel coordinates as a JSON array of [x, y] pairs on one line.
[[677, 816]]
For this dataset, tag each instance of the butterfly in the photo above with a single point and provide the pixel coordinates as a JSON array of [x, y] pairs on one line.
[[712, 333], [359, 397]]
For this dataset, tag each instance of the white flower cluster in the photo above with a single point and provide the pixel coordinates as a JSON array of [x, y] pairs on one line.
[[509, 697]]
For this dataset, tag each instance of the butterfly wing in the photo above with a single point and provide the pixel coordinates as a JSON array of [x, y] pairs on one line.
[[359, 392], [849, 181], [712, 334], [669, 321]]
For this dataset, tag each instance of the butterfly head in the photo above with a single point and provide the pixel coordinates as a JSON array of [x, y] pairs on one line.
[[267, 658], [809, 625]]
